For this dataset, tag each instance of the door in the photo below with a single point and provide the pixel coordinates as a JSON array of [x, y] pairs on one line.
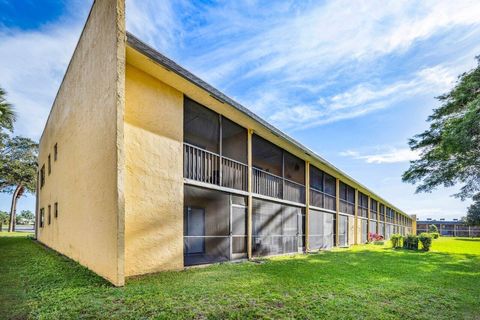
[[195, 230], [343, 231], [238, 238]]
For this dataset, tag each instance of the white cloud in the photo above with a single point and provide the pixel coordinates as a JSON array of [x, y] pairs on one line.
[[155, 22], [393, 155], [364, 98], [32, 66], [285, 48]]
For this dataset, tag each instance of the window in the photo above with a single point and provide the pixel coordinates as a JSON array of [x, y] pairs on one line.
[[55, 210], [42, 217], [55, 152], [49, 165], [49, 214], [347, 199], [42, 176]]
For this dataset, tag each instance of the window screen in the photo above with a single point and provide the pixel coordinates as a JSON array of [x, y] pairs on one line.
[[206, 226], [201, 126], [266, 156], [321, 230], [343, 231], [276, 228], [364, 224], [234, 141], [294, 168]]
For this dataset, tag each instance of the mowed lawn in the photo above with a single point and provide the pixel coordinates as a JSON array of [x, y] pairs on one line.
[[365, 282]]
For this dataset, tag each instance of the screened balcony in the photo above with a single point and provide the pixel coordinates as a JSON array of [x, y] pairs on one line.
[[373, 209], [362, 205], [208, 167], [277, 173], [347, 199], [322, 189], [215, 148]]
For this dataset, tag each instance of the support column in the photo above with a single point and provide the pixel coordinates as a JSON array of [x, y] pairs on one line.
[[337, 206], [368, 217], [250, 198], [355, 232], [378, 216], [307, 206]]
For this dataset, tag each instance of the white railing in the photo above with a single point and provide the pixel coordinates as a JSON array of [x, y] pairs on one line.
[[322, 200], [347, 207], [208, 167], [267, 184], [270, 185], [293, 191]]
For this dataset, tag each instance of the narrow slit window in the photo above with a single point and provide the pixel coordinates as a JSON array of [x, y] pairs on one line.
[[55, 152], [42, 217], [42, 176], [49, 165], [55, 210], [49, 214]]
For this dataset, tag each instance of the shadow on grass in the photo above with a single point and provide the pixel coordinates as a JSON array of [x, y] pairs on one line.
[[468, 239]]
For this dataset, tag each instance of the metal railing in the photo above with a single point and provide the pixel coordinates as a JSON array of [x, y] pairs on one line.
[[270, 185], [347, 207], [267, 184], [208, 167], [322, 200], [293, 191]]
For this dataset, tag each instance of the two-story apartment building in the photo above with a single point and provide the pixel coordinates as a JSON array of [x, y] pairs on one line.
[[144, 167]]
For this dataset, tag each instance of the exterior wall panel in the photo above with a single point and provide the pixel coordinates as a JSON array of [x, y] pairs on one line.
[[86, 179], [154, 175]]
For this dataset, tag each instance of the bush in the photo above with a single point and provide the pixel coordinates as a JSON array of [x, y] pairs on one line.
[[410, 242], [432, 228], [372, 237], [426, 240], [397, 240], [435, 235]]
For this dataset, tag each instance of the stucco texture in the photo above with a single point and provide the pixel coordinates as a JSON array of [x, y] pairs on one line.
[[83, 124], [154, 175]]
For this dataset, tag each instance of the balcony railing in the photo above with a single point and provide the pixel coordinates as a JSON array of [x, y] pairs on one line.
[[347, 207], [208, 167], [322, 200], [270, 185]]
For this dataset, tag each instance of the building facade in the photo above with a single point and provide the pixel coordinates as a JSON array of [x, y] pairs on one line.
[[452, 228], [144, 167]]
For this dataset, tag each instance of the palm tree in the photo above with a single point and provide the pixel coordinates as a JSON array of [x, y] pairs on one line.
[[7, 115]]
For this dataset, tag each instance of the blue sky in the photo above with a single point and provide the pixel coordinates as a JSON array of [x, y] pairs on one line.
[[352, 80]]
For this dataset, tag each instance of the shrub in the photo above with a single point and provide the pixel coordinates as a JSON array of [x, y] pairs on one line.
[[426, 240], [397, 240], [374, 237], [410, 242], [432, 228], [435, 235]]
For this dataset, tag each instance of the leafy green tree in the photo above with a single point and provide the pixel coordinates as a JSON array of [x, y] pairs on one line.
[[18, 165], [432, 228], [4, 217], [450, 147], [7, 115], [473, 213], [27, 214]]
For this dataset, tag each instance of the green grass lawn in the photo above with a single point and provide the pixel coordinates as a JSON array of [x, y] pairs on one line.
[[365, 282]]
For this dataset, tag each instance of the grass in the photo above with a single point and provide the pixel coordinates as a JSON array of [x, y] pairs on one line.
[[363, 282]]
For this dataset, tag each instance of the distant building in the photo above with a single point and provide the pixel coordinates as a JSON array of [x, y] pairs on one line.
[[453, 228]]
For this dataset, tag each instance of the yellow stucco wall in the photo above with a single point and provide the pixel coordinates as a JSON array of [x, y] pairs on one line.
[[154, 175], [86, 180]]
